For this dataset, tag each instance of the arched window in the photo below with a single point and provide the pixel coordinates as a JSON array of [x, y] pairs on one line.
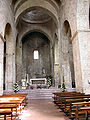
[[36, 54], [7, 52]]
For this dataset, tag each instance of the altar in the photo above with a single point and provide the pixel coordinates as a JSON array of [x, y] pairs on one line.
[[36, 81]]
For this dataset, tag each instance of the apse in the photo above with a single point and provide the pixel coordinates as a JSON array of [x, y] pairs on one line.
[[36, 55]]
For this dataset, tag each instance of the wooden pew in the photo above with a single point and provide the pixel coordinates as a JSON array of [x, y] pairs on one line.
[[68, 107], [86, 110], [5, 113], [62, 100], [65, 100], [19, 103], [14, 99], [79, 106], [60, 97], [9, 108], [58, 94], [12, 102], [17, 96]]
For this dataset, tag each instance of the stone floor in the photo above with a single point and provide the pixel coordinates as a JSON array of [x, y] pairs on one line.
[[42, 110]]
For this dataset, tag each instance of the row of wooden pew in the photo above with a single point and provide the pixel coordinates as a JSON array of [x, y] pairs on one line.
[[11, 104], [76, 105]]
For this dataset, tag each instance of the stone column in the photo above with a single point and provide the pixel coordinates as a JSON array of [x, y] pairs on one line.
[[19, 66], [10, 62], [81, 48], [84, 46], [9, 71], [52, 64], [1, 65], [67, 72], [66, 61], [56, 63], [60, 53]]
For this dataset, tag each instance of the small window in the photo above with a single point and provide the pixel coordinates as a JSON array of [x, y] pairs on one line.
[[36, 54]]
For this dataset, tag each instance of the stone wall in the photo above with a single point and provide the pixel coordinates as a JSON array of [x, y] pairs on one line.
[[48, 29], [6, 16], [36, 67], [84, 37], [83, 40], [67, 13], [76, 12]]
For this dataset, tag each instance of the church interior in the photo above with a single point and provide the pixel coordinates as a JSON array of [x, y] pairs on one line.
[[44, 59]]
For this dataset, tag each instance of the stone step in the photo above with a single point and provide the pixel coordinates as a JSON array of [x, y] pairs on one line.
[[41, 93], [39, 97], [38, 93]]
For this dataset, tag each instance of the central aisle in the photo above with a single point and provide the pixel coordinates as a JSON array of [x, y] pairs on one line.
[[42, 110]]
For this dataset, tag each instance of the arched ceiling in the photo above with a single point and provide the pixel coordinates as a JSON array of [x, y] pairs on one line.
[[17, 3], [36, 16], [36, 44], [43, 13], [24, 35], [34, 11]]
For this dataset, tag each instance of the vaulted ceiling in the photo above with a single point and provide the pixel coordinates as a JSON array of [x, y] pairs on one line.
[[36, 16], [34, 11]]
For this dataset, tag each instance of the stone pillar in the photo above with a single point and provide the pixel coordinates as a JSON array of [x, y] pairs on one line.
[[19, 68], [1, 65], [60, 53], [52, 64], [10, 62], [56, 63], [66, 61], [81, 48], [67, 72], [9, 71], [77, 64], [84, 46]]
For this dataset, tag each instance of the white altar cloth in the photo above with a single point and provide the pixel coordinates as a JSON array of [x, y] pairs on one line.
[[44, 80]]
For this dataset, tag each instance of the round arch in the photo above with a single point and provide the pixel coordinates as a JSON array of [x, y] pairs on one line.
[[8, 57], [7, 29], [29, 5], [7, 33], [67, 51], [67, 27], [35, 30], [20, 57]]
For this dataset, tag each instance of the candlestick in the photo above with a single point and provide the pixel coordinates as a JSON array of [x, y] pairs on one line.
[[27, 79], [63, 72]]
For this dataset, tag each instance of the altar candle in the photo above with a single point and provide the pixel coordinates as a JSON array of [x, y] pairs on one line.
[[27, 79], [63, 72]]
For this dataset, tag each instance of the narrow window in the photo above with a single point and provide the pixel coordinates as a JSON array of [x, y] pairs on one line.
[[36, 54]]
